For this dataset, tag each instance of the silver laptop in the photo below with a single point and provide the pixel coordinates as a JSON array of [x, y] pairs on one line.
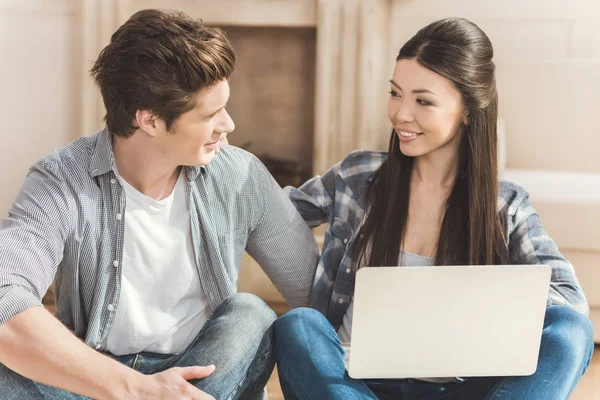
[[430, 322]]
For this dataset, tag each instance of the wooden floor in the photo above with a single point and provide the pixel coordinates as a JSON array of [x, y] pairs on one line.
[[588, 388]]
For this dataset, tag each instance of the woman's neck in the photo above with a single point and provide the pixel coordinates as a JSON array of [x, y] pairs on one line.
[[435, 171]]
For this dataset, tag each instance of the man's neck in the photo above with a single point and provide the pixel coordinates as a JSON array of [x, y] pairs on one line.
[[143, 167]]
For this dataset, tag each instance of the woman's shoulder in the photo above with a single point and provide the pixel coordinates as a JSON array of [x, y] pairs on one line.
[[511, 197], [361, 163]]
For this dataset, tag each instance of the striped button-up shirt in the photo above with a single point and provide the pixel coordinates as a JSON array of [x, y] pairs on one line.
[[67, 224], [339, 198]]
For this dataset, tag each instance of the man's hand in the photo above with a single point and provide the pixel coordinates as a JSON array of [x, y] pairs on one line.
[[173, 384]]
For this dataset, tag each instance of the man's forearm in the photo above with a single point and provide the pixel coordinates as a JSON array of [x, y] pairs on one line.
[[36, 345]]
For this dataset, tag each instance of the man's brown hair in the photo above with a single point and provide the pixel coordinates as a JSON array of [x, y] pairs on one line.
[[158, 61]]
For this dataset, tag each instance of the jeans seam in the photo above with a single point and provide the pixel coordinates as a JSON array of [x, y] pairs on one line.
[[587, 365], [269, 352], [197, 338], [500, 386], [137, 361]]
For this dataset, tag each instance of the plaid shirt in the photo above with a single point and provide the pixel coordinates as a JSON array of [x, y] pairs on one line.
[[67, 224], [339, 198]]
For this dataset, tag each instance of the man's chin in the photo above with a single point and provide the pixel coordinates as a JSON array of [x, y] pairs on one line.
[[203, 159]]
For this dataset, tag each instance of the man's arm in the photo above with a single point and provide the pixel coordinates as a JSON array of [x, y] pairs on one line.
[[37, 346], [32, 341], [282, 243]]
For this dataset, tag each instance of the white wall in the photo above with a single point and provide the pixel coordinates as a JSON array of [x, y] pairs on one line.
[[547, 54], [38, 81]]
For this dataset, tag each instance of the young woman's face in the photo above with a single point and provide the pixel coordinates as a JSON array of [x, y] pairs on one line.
[[425, 109]]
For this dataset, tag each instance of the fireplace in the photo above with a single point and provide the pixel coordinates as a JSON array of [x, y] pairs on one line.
[[272, 98]]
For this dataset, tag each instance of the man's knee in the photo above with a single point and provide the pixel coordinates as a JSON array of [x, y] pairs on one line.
[[250, 307]]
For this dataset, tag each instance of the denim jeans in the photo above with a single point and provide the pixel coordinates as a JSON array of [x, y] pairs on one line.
[[237, 339], [311, 365]]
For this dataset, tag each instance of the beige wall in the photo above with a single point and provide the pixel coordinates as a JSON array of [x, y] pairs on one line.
[[38, 107], [547, 51], [548, 58]]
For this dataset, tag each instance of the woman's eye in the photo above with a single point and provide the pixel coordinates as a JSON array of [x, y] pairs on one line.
[[423, 102]]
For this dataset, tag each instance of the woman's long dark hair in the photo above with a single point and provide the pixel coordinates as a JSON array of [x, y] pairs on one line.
[[471, 231]]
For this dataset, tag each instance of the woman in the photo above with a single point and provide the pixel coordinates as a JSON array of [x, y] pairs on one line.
[[433, 199]]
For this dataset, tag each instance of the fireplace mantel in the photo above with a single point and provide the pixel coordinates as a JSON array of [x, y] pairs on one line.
[[351, 65]]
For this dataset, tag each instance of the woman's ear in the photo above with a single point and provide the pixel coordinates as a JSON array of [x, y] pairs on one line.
[[465, 118]]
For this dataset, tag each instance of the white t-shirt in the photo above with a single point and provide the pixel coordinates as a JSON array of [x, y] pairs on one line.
[[162, 307]]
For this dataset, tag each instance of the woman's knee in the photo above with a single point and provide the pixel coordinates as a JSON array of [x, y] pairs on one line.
[[569, 335], [302, 328], [303, 319]]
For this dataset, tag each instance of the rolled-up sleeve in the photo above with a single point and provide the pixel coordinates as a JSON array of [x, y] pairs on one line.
[[282, 243], [32, 239]]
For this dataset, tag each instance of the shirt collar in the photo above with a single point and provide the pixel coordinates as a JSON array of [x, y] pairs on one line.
[[103, 159]]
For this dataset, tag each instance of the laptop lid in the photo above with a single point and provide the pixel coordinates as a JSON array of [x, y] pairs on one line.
[[428, 322]]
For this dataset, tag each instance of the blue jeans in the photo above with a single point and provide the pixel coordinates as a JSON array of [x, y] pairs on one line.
[[238, 339], [311, 364]]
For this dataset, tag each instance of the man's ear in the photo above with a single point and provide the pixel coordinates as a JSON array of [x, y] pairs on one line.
[[147, 121]]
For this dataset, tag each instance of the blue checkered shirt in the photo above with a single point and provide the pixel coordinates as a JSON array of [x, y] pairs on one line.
[[339, 199]]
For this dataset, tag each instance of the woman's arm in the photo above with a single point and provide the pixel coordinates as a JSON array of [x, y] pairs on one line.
[[529, 243], [315, 199]]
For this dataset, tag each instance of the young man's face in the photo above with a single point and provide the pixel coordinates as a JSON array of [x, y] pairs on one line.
[[195, 137]]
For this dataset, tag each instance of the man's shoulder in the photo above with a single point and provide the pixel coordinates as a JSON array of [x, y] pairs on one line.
[[73, 158], [231, 154], [234, 163]]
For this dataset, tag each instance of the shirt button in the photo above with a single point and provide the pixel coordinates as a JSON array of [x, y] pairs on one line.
[[113, 181], [111, 308], [341, 301], [116, 263], [348, 270], [345, 241], [119, 216], [98, 346]]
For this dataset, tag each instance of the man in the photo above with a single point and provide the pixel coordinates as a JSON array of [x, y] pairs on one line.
[[142, 228]]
